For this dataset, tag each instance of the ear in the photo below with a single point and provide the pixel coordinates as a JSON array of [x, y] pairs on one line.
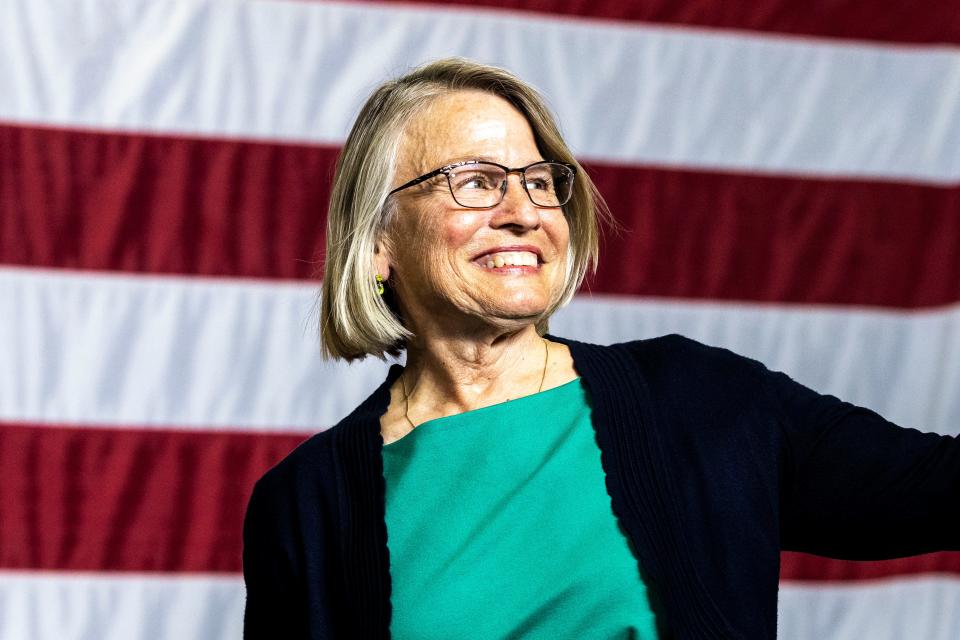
[[381, 260]]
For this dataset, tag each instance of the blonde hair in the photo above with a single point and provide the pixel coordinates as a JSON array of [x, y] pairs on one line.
[[356, 322]]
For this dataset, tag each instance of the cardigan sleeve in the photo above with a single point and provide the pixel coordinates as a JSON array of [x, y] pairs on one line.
[[856, 486], [275, 606]]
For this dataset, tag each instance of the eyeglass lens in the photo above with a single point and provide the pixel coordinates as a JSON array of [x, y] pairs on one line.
[[481, 185]]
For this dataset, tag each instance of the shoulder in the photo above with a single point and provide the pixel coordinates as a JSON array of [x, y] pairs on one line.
[[677, 375], [671, 358], [676, 353], [305, 486], [312, 457], [306, 478], [719, 386], [316, 462], [696, 374]]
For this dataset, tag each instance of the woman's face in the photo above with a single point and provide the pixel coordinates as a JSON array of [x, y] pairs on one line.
[[439, 254]]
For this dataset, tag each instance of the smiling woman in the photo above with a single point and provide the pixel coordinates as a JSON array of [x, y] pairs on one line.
[[505, 483], [448, 121]]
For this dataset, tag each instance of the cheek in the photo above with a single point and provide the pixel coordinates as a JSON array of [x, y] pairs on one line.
[[422, 233], [559, 234], [460, 228]]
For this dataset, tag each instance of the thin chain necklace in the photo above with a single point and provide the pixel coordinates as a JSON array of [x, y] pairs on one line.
[[406, 396]]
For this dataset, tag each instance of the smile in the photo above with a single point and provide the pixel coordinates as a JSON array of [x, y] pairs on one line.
[[504, 260]]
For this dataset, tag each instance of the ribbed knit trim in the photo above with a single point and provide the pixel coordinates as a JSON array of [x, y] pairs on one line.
[[639, 484], [363, 538]]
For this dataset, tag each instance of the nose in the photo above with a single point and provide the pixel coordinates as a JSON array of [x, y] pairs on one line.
[[516, 208]]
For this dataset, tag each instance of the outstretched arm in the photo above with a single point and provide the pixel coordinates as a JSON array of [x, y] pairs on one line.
[[859, 487]]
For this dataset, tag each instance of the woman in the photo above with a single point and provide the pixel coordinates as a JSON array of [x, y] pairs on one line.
[[507, 483]]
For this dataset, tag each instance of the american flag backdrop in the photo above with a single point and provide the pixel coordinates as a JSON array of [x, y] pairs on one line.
[[787, 175]]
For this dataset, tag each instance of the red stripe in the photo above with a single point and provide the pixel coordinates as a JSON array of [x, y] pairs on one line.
[[138, 203], [723, 236], [803, 567], [94, 499], [128, 500], [899, 21]]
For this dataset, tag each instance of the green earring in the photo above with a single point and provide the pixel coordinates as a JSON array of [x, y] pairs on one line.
[[380, 289]]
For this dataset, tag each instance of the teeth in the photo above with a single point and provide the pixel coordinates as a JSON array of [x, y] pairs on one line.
[[510, 259]]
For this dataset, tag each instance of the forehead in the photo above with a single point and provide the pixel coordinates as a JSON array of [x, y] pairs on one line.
[[465, 125]]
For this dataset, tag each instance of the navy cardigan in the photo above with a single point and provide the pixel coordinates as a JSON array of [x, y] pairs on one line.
[[713, 465]]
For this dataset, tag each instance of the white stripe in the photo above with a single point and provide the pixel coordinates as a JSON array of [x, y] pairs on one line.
[[628, 93], [926, 608], [90, 606], [128, 350], [904, 365], [78, 606]]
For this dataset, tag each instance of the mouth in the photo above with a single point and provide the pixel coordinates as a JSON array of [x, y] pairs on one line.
[[510, 260]]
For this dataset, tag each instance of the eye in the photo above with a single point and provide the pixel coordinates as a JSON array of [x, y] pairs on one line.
[[539, 184], [539, 178], [475, 180]]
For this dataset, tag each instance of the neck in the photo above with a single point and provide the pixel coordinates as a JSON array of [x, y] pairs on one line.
[[446, 375]]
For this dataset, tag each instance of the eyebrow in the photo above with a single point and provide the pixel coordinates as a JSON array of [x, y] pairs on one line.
[[454, 160], [478, 158], [465, 158]]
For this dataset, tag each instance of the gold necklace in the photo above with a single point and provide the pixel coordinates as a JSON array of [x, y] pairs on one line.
[[406, 396]]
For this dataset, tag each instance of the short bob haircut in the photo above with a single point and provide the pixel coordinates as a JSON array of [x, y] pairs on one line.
[[356, 322]]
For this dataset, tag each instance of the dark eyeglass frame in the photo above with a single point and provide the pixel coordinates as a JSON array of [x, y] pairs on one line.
[[446, 169]]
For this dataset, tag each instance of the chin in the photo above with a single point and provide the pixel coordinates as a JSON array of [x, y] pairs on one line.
[[525, 314], [508, 306]]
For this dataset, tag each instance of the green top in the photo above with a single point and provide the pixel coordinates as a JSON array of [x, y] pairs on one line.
[[499, 526]]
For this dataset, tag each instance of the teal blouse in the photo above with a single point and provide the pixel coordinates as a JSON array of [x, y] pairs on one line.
[[499, 526]]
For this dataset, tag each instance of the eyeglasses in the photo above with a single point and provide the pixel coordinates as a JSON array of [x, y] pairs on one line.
[[481, 185]]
